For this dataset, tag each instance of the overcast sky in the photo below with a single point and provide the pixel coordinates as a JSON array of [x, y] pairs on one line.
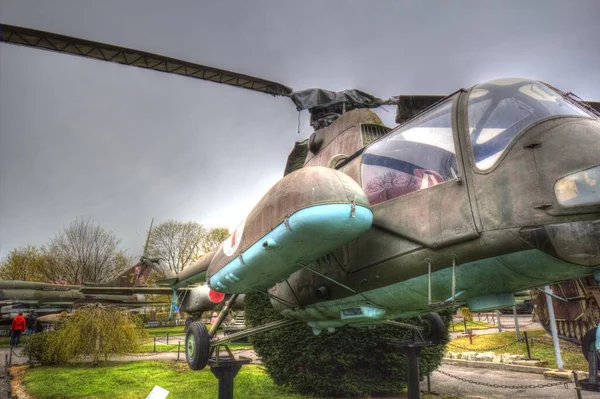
[[80, 137]]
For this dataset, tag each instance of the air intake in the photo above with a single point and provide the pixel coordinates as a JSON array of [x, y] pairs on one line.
[[371, 132]]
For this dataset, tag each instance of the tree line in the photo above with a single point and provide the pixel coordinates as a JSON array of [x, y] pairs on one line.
[[83, 251]]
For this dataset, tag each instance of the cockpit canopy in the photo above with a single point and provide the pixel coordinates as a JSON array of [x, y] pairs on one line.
[[421, 153], [500, 109]]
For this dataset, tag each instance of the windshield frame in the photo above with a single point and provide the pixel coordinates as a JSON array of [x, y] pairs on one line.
[[466, 135]]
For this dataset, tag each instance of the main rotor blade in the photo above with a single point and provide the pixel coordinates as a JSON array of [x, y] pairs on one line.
[[125, 56]]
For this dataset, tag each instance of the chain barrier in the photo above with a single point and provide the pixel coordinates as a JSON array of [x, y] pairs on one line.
[[483, 350], [486, 384], [19, 353]]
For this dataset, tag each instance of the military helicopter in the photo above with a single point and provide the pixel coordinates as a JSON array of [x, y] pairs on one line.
[[474, 196]]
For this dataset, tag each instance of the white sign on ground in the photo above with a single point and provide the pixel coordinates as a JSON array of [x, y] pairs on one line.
[[157, 393]]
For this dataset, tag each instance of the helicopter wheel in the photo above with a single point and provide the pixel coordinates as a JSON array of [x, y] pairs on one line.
[[197, 346], [434, 328]]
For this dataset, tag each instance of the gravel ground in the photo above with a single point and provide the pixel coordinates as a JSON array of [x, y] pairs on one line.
[[446, 385], [3, 380]]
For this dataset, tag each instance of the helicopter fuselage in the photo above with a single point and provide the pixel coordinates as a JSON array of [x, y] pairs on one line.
[[486, 195]]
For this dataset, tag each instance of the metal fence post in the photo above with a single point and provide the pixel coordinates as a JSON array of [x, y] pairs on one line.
[[516, 323], [154, 344], [499, 322], [527, 345], [167, 338], [550, 306], [178, 350]]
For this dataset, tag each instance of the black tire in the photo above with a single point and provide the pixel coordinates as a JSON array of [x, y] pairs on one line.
[[435, 330], [188, 321], [197, 346]]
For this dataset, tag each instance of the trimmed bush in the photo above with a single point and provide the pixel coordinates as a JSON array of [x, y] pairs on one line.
[[351, 362]]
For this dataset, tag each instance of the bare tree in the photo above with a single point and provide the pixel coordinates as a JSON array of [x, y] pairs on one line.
[[84, 252], [24, 264], [178, 244], [215, 236]]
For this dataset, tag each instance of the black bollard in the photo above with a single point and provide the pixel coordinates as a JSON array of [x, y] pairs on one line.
[[167, 338], [576, 381], [225, 369], [154, 344], [178, 350], [413, 353]]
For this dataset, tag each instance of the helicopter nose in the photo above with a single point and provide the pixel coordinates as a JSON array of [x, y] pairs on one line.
[[566, 152], [566, 158]]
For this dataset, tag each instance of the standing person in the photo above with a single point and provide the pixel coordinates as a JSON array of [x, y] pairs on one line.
[[31, 321], [18, 326]]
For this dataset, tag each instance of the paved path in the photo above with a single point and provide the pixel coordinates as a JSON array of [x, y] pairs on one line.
[[449, 386]]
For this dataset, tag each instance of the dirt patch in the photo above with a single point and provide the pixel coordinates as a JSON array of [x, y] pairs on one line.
[[18, 389]]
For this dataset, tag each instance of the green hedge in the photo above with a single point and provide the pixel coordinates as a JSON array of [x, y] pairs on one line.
[[351, 362]]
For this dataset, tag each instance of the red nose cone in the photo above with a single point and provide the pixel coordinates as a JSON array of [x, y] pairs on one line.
[[216, 296]]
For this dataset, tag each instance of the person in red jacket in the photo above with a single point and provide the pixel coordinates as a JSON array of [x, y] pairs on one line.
[[18, 326]]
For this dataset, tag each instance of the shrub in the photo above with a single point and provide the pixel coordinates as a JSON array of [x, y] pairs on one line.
[[351, 362], [91, 331], [466, 313], [141, 318], [38, 347], [162, 316]]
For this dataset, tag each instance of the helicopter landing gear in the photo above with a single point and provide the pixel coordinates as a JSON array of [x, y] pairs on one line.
[[197, 339], [434, 329], [188, 321], [591, 354], [197, 346]]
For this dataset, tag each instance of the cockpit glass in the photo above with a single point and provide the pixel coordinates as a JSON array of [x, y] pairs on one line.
[[415, 156], [499, 110]]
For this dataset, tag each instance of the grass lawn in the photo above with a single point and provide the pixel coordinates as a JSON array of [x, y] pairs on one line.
[[162, 331], [540, 344], [136, 380], [4, 342], [172, 346]]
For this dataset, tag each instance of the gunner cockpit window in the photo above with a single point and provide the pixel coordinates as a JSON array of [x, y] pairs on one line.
[[414, 156], [499, 110]]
